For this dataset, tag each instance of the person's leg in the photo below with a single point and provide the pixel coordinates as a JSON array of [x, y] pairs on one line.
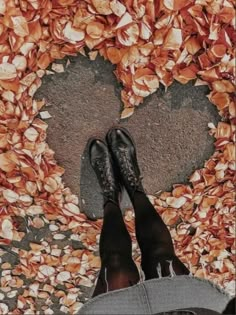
[[118, 270], [231, 307], [158, 256]]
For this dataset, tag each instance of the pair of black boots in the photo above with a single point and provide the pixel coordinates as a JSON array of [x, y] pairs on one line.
[[115, 164]]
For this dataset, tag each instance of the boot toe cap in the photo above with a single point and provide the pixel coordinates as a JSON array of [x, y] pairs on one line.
[[119, 137], [97, 149]]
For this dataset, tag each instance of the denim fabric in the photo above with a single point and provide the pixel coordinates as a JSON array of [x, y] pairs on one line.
[[190, 311], [159, 295]]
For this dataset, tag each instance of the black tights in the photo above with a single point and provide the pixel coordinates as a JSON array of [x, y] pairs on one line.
[[118, 269]]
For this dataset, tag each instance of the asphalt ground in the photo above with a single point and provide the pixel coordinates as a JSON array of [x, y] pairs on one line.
[[170, 128]]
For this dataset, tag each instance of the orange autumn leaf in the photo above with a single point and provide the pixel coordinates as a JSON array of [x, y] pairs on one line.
[[226, 14], [221, 100], [95, 29], [223, 130], [35, 31], [218, 50], [229, 153], [186, 74], [223, 86], [114, 55], [192, 45], [44, 60], [12, 85], [8, 161]]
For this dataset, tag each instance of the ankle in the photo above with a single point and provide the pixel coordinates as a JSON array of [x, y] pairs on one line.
[[139, 194], [112, 197], [110, 204]]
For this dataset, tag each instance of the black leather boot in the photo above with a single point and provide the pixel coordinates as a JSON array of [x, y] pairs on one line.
[[101, 162], [123, 152]]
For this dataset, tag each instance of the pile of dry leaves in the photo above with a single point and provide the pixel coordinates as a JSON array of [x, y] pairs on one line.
[[151, 42]]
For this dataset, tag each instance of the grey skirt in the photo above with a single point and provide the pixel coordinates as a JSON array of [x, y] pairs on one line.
[[159, 295]]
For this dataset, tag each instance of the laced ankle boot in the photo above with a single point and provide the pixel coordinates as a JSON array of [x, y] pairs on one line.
[[101, 162], [123, 152]]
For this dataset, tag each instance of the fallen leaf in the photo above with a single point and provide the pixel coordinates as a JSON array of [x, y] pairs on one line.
[[125, 20], [114, 55], [50, 184], [7, 229], [173, 39], [117, 7], [19, 62], [45, 115], [127, 112], [2, 6], [176, 202], [28, 79], [8, 161], [72, 34], [63, 276], [20, 26], [59, 236], [7, 71], [10, 195], [58, 67], [102, 6], [46, 270], [4, 309], [71, 209], [95, 29], [33, 210], [128, 35], [31, 134]]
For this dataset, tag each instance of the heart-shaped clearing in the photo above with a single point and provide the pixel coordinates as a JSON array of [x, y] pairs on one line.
[[170, 130]]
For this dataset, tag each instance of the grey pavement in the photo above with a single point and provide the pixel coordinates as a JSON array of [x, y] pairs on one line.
[[170, 128]]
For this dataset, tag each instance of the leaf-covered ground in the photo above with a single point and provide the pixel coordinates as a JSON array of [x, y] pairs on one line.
[[49, 249]]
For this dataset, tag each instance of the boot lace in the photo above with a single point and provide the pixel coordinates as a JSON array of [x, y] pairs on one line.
[[127, 167], [105, 174]]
